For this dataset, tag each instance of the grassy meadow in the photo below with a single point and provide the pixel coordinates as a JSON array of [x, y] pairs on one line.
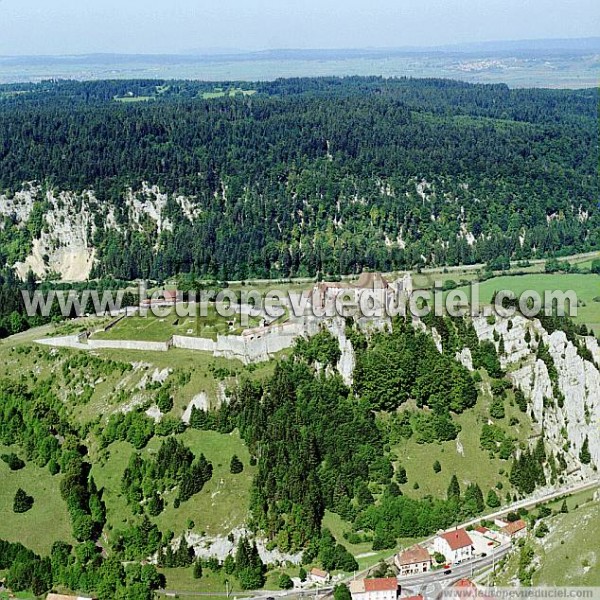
[[220, 507], [462, 457], [47, 521], [585, 286]]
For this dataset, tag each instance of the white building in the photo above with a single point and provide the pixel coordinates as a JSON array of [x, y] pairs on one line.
[[455, 545], [318, 576]]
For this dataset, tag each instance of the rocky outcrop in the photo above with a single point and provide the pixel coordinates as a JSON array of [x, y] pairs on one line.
[[347, 360], [464, 358], [220, 547], [71, 219], [566, 421]]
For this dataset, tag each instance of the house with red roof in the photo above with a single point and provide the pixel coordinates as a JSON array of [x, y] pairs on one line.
[[318, 576], [380, 588], [412, 561], [455, 545], [514, 530]]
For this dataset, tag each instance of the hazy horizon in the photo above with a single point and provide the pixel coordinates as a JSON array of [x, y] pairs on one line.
[[67, 27], [216, 51]]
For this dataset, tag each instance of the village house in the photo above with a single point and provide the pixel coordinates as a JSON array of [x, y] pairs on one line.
[[318, 576], [53, 596], [412, 561], [515, 530], [384, 588], [455, 545]]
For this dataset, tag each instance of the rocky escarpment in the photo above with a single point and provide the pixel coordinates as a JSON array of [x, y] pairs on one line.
[[63, 240], [564, 395]]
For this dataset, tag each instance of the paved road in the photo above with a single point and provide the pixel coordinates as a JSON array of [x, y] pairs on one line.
[[467, 569]]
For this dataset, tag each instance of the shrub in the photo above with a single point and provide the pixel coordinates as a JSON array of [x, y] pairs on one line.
[[13, 461], [22, 502], [236, 466]]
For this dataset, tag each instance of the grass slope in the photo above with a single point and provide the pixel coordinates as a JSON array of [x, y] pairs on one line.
[[47, 521], [221, 506], [569, 554], [463, 456]]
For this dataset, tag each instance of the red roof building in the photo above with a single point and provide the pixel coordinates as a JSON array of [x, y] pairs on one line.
[[382, 588], [515, 529], [380, 584], [456, 546], [457, 539]]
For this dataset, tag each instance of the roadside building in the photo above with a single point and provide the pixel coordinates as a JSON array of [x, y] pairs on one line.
[[412, 561], [53, 596], [318, 576], [514, 530], [455, 545], [383, 588]]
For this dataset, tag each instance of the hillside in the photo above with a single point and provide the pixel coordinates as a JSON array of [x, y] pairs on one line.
[[301, 176], [442, 423]]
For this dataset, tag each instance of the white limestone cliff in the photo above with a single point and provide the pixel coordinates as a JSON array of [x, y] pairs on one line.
[[565, 428], [71, 219]]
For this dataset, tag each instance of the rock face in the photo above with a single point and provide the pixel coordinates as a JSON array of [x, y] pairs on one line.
[[220, 547], [578, 380], [70, 221]]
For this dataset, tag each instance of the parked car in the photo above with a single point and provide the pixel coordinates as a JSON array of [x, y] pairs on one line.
[[447, 571]]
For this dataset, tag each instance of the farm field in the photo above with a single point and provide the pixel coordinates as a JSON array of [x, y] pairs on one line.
[[585, 286]]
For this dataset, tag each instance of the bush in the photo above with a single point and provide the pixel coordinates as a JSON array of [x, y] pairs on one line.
[[236, 466], [22, 502], [437, 467], [285, 582], [13, 461], [197, 570]]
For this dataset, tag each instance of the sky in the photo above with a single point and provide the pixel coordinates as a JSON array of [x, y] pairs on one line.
[[30, 27]]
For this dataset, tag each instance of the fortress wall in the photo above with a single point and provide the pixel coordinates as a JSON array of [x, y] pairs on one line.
[[128, 345], [194, 343]]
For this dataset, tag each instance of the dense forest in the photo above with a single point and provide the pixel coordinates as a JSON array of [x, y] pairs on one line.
[[309, 175], [321, 445]]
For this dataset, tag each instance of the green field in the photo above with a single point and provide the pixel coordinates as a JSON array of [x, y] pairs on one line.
[[48, 520], [473, 465], [585, 286], [152, 328], [219, 92], [221, 506]]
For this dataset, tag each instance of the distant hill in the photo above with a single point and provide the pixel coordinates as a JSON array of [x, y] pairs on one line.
[[573, 63]]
